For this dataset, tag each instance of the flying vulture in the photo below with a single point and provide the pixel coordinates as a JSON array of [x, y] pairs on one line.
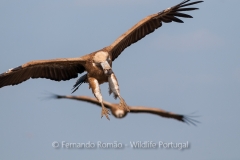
[[121, 113], [97, 64]]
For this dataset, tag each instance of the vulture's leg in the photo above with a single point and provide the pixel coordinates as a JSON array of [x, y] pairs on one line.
[[113, 84], [114, 88], [97, 93]]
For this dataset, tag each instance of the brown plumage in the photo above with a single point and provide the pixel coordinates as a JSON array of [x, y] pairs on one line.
[[121, 113], [97, 64]]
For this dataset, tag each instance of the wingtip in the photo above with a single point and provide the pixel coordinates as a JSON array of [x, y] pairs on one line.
[[184, 3], [189, 120], [50, 95]]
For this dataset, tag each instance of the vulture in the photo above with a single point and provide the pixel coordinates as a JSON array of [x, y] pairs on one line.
[[98, 64], [121, 113]]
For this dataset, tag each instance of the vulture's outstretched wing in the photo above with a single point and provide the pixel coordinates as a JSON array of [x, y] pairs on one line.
[[84, 99], [148, 25], [55, 69], [162, 113]]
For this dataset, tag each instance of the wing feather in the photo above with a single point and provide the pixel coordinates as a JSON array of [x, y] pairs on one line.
[[148, 25], [192, 3], [55, 69], [181, 15]]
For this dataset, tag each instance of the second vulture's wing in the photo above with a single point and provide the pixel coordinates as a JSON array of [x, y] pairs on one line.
[[84, 99], [162, 113]]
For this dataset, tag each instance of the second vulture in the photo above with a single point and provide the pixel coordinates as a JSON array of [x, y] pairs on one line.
[[120, 113]]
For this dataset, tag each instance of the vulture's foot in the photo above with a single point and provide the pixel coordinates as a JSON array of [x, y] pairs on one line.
[[123, 105], [105, 112]]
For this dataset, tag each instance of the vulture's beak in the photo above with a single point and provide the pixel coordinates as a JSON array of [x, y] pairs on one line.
[[106, 68]]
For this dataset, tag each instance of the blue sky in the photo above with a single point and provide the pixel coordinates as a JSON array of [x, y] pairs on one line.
[[180, 68]]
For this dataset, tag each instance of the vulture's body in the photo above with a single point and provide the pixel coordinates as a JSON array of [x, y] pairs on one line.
[[97, 64]]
